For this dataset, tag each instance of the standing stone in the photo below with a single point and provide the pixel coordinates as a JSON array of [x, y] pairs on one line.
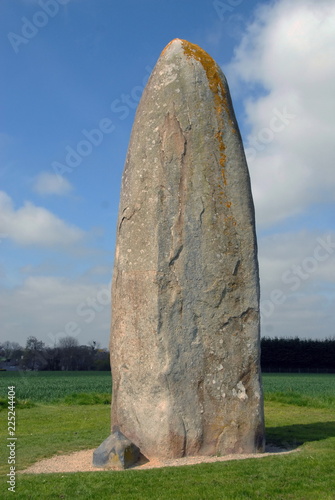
[[185, 296]]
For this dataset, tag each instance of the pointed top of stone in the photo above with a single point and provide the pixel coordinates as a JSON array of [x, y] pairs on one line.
[[178, 45], [177, 50], [175, 45]]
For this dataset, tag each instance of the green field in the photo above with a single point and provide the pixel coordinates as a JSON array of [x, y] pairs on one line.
[[312, 390], [49, 387], [57, 425], [316, 390]]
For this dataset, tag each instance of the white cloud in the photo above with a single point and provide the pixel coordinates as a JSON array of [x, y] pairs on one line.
[[313, 252], [33, 225], [47, 183], [285, 62], [306, 316], [289, 51], [297, 284], [51, 308]]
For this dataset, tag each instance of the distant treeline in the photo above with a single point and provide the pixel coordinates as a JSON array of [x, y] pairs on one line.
[[66, 355], [298, 355], [277, 355]]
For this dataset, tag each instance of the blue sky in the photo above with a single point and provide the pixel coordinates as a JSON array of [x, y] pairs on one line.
[[73, 73]]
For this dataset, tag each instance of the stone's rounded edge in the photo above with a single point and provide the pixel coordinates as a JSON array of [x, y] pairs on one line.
[[191, 50], [174, 44]]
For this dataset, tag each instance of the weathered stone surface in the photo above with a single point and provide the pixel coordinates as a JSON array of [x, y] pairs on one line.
[[185, 294], [116, 452]]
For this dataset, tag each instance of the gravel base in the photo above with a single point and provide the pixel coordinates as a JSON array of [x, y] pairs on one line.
[[81, 461]]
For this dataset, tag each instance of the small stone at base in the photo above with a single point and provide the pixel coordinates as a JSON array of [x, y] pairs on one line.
[[116, 452]]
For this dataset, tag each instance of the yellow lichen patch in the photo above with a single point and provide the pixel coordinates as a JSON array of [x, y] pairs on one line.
[[230, 221], [222, 148], [219, 93]]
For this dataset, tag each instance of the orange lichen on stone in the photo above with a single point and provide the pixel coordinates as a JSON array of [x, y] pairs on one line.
[[219, 94], [222, 160], [221, 105], [217, 88]]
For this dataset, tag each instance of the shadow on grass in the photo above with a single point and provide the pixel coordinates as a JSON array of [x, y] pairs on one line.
[[295, 435]]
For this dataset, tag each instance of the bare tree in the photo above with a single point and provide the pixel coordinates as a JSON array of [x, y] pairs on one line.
[[8, 349], [34, 354], [68, 342], [69, 351]]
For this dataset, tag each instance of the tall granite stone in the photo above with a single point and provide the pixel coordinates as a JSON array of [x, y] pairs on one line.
[[185, 295]]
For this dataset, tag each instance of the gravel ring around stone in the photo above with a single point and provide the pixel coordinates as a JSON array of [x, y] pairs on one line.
[[81, 461]]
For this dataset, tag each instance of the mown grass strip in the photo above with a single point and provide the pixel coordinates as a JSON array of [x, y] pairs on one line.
[[305, 475], [294, 398]]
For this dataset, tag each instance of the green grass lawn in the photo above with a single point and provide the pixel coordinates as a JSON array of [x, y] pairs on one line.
[[48, 429]]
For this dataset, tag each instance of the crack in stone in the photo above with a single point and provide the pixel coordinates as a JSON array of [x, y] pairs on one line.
[[202, 211], [176, 256], [185, 438], [237, 265], [240, 316], [125, 217], [223, 294]]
